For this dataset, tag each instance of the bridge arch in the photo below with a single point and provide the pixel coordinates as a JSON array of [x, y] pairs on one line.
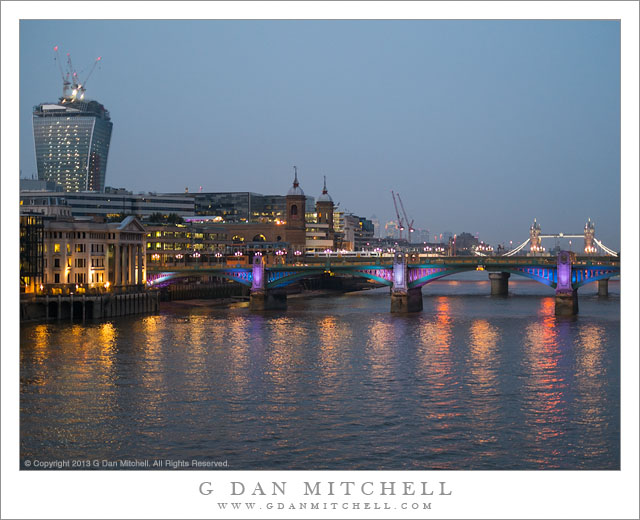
[[281, 278], [580, 277], [543, 275], [242, 276], [431, 273]]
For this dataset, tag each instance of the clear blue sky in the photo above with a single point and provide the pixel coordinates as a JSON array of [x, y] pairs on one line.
[[480, 125]]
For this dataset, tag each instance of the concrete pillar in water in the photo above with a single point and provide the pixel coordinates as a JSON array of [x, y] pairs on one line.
[[499, 283], [566, 295], [260, 298], [403, 298], [603, 287]]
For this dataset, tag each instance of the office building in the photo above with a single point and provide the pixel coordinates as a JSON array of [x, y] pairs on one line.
[[241, 206], [72, 140], [116, 203]]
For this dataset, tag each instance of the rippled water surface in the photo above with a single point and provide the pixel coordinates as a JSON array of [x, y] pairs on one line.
[[472, 382]]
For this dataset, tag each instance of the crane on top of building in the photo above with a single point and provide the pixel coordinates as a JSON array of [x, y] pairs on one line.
[[406, 219], [66, 84], [72, 88], [395, 205]]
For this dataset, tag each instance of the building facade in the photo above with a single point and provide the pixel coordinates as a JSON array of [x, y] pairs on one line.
[[81, 255], [241, 206], [72, 139], [320, 230], [116, 203], [185, 244], [31, 252]]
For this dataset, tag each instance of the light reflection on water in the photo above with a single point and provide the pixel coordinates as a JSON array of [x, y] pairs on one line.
[[472, 382]]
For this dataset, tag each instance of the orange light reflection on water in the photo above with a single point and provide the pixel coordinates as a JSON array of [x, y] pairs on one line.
[[591, 399], [483, 384], [544, 401], [436, 364]]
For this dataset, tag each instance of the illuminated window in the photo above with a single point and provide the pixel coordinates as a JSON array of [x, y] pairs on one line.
[[56, 248]]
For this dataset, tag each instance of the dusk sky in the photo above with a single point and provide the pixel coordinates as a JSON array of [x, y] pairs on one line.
[[480, 125]]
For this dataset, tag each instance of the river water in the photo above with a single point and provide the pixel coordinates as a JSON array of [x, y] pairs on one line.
[[471, 382]]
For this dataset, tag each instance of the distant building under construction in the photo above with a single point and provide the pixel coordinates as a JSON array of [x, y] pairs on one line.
[[72, 137]]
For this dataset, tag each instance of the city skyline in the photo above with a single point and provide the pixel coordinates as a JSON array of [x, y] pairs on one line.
[[481, 126]]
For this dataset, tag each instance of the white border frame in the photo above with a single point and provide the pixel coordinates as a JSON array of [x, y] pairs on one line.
[[477, 494]]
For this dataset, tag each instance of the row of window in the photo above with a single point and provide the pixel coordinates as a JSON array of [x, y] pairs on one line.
[[183, 246], [78, 278], [83, 235], [182, 234], [79, 263]]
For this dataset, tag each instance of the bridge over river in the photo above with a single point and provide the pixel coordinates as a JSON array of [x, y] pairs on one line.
[[406, 274]]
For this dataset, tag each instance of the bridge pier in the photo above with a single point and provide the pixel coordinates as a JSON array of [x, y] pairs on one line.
[[567, 303], [268, 301], [260, 298], [566, 295], [403, 298], [499, 284], [603, 287], [406, 301]]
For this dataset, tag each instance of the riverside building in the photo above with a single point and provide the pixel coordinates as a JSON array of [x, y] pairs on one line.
[[83, 255]]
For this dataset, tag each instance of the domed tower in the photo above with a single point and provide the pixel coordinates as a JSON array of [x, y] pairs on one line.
[[296, 225], [324, 209]]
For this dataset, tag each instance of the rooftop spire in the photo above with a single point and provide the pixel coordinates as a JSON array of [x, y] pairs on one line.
[[325, 197], [295, 189]]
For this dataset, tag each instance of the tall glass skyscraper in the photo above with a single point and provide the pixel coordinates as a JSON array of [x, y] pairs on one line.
[[72, 143]]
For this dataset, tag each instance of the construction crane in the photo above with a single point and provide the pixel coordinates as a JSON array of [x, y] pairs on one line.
[[395, 205], [82, 87], [406, 219], [66, 84], [72, 87]]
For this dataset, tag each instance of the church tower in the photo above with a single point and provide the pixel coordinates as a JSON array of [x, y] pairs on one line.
[[324, 209], [296, 226]]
